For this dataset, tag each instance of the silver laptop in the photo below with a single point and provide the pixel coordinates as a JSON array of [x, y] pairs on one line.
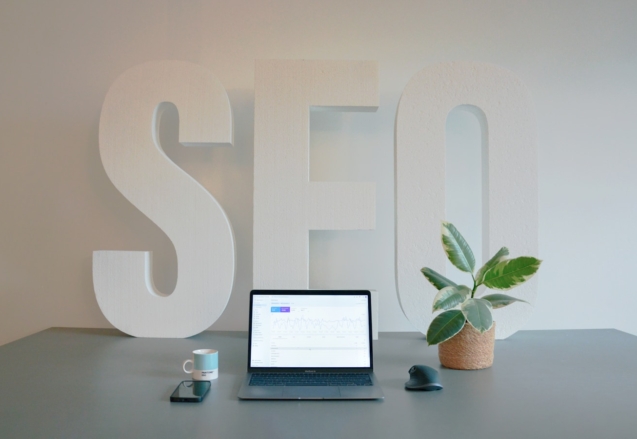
[[310, 345]]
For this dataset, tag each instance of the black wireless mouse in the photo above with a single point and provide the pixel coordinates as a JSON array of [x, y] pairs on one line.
[[423, 378]]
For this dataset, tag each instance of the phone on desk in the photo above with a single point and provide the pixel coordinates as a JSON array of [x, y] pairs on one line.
[[190, 391]]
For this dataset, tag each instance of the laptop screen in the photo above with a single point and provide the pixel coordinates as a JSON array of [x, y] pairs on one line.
[[310, 330]]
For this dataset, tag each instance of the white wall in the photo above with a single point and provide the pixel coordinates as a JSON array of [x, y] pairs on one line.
[[579, 59]]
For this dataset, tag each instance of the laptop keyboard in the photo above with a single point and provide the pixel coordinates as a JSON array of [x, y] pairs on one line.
[[310, 379]]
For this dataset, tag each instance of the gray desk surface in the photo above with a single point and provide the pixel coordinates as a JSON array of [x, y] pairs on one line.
[[71, 383]]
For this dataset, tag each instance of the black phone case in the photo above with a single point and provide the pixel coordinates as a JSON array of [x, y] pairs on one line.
[[200, 390]]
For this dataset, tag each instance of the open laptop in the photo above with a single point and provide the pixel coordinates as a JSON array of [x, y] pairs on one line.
[[310, 344]]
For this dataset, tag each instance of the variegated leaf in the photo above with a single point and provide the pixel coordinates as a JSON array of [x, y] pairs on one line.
[[436, 279], [445, 326], [508, 274], [497, 258], [478, 314], [449, 297], [457, 249], [499, 300]]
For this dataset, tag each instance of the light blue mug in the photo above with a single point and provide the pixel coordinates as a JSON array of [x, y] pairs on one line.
[[205, 365]]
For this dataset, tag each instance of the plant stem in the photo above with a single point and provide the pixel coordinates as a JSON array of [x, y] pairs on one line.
[[475, 286]]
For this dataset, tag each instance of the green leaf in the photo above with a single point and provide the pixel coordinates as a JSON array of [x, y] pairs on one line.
[[445, 326], [478, 314], [501, 300], [457, 249], [508, 274], [498, 257], [437, 279], [449, 297]]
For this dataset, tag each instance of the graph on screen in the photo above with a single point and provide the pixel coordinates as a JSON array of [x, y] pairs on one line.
[[318, 325], [310, 331]]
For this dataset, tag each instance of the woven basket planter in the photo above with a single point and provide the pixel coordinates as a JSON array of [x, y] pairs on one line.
[[468, 349]]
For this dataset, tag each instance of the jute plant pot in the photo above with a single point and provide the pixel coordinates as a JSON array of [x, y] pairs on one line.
[[468, 349]]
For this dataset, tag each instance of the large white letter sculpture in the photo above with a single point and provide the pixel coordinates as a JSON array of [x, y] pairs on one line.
[[179, 205], [286, 204], [511, 212]]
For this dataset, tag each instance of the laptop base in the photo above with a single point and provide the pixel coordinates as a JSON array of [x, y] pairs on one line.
[[310, 392]]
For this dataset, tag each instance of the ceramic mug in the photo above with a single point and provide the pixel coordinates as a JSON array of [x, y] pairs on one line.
[[205, 365]]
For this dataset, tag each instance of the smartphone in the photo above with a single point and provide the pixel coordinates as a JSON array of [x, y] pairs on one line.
[[190, 391]]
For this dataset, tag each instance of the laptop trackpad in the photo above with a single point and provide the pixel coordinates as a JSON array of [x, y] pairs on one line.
[[311, 392]]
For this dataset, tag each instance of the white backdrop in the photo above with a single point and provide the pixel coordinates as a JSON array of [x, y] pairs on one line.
[[578, 58]]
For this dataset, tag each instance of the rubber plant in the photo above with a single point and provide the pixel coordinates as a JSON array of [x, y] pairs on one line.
[[499, 273]]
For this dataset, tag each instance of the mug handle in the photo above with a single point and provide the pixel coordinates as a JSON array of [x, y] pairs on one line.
[[184, 366]]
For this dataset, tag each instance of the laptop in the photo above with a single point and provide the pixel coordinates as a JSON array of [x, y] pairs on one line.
[[310, 344]]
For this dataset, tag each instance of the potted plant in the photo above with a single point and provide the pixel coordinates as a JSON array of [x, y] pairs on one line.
[[466, 336]]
